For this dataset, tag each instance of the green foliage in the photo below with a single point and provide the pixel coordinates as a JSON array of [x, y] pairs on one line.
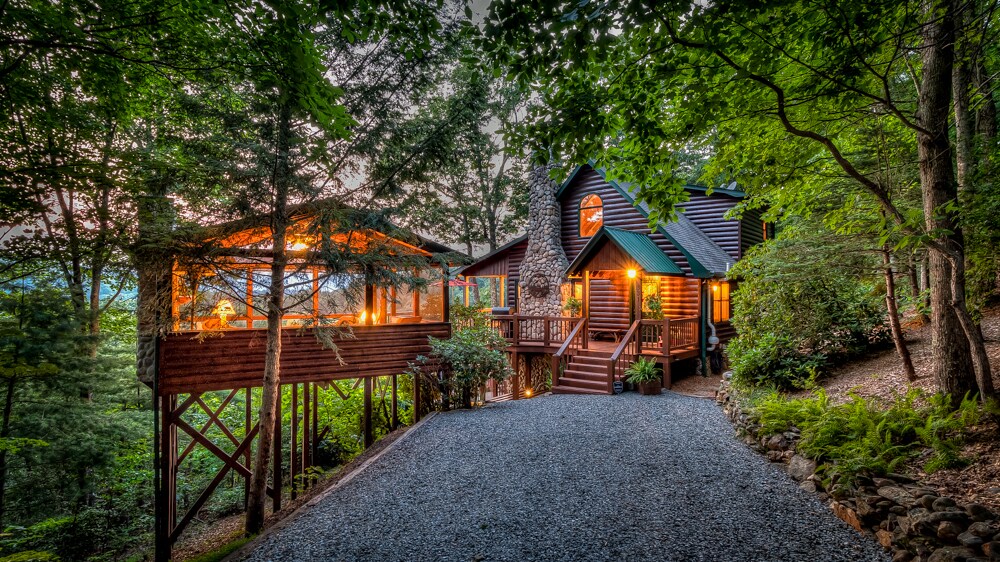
[[653, 307], [473, 354], [866, 435], [222, 552], [573, 306], [803, 302], [643, 370]]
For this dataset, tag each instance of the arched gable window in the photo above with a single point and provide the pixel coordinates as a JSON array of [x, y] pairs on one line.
[[591, 215]]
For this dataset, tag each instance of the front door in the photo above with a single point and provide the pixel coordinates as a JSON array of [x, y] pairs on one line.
[[609, 304]]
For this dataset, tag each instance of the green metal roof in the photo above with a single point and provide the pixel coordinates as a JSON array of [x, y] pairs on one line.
[[637, 245]]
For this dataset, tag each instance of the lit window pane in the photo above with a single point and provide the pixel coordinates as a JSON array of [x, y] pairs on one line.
[[591, 215]]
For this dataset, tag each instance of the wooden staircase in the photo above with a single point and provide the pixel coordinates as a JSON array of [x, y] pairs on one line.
[[586, 373]]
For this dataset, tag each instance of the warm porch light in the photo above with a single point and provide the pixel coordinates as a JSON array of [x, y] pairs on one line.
[[715, 287], [631, 274], [364, 315], [299, 246], [527, 393], [224, 309]]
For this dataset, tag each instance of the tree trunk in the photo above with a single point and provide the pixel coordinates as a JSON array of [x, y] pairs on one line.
[[918, 307], [276, 295], [952, 367], [986, 110], [8, 407], [893, 312], [964, 121]]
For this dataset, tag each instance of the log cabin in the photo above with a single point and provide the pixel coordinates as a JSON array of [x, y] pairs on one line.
[[662, 293], [361, 299]]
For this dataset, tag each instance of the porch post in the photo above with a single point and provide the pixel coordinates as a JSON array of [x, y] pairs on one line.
[[369, 304], [586, 294], [445, 295]]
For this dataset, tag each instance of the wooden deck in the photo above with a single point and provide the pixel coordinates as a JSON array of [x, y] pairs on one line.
[[584, 365], [201, 361]]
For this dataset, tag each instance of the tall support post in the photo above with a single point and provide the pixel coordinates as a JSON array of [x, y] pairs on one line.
[[586, 305], [416, 396], [247, 420], [705, 309], [445, 294], [306, 461], [276, 470], [515, 380], [366, 418], [166, 504], [395, 402], [293, 461], [314, 442], [369, 305]]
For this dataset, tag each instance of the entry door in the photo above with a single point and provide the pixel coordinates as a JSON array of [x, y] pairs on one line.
[[609, 306]]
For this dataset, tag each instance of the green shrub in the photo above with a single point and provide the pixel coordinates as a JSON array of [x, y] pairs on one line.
[[473, 355], [800, 306], [642, 371], [864, 435]]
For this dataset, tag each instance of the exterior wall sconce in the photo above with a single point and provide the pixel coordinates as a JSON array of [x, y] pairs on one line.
[[631, 273]]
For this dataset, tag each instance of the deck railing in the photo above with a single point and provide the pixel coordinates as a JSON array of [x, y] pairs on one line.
[[574, 342], [682, 335], [546, 331]]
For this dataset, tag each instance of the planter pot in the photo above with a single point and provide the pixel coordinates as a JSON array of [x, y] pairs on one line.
[[649, 388]]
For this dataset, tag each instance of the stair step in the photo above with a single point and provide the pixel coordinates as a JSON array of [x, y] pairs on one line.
[[574, 373], [583, 383], [594, 353], [560, 389], [587, 368], [591, 360]]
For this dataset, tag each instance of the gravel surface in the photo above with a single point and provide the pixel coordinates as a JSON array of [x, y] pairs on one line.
[[566, 478]]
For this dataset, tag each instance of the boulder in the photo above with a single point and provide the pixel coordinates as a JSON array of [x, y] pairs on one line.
[[942, 504], [884, 538], [969, 540], [982, 529], [902, 556], [777, 443], [979, 512], [948, 531], [846, 514], [896, 494], [951, 554], [801, 468]]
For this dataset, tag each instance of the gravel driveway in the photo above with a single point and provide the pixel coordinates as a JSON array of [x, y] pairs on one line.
[[567, 478]]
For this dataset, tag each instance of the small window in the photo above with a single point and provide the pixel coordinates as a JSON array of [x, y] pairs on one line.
[[591, 215], [720, 302]]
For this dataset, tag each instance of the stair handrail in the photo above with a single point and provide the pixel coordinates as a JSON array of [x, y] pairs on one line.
[[613, 365], [581, 325]]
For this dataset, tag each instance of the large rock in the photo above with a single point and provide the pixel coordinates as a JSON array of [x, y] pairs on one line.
[[847, 514], [896, 494], [801, 468], [952, 554]]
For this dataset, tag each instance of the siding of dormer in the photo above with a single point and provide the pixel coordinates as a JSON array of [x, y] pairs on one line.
[[708, 214], [618, 212]]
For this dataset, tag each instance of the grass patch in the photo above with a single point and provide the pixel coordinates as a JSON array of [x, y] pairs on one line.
[[222, 552]]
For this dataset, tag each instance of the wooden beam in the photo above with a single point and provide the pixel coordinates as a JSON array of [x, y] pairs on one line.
[[366, 416], [293, 453], [395, 402], [369, 305], [416, 396], [276, 457], [445, 295]]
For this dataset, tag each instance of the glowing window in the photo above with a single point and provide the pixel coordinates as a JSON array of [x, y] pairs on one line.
[[720, 302], [591, 215]]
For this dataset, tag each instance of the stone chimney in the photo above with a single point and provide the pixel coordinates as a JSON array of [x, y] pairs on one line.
[[545, 263]]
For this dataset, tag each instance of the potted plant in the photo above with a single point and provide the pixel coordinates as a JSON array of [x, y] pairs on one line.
[[645, 375], [574, 306]]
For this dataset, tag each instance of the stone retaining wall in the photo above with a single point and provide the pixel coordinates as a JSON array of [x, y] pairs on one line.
[[911, 520]]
